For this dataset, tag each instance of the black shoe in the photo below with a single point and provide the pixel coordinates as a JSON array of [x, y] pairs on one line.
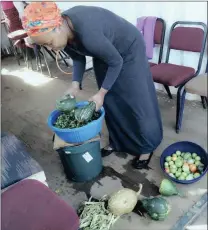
[[141, 164], [106, 152]]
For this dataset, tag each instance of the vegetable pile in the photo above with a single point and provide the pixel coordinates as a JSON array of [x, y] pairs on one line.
[[184, 166], [95, 216], [103, 214], [72, 117], [68, 120]]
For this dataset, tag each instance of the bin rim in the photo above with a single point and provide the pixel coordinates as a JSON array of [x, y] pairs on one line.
[[50, 124], [76, 146]]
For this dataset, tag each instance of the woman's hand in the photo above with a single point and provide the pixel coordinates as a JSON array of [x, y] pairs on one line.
[[74, 89], [98, 98]]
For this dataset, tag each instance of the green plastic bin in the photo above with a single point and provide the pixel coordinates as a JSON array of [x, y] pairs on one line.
[[83, 162]]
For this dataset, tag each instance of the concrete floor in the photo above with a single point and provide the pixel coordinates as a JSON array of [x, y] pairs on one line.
[[28, 98]]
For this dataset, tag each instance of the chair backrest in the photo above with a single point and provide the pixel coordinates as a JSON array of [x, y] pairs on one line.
[[12, 20], [186, 36], [159, 36], [159, 27], [187, 39]]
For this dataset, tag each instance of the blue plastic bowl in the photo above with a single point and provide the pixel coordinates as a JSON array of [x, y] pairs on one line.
[[77, 135], [185, 146]]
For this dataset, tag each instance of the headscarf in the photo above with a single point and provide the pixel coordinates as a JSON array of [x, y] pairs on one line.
[[41, 17]]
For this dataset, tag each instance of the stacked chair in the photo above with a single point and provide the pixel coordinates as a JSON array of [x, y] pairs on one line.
[[11, 22], [19, 40]]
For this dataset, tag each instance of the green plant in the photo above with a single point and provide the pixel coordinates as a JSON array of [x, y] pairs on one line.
[[95, 216], [68, 121]]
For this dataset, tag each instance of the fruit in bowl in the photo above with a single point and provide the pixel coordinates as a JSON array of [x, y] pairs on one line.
[[184, 165]]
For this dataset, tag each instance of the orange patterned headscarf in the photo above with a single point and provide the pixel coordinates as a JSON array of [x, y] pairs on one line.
[[41, 17]]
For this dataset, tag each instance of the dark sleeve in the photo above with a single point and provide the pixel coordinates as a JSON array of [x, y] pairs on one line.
[[79, 63], [103, 49]]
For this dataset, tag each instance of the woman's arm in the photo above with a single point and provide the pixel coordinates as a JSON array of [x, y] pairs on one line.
[[79, 63], [102, 48]]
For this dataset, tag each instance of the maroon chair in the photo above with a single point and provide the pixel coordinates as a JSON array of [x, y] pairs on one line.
[[30, 205], [11, 16], [11, 23], [159, 36], [183, 37]]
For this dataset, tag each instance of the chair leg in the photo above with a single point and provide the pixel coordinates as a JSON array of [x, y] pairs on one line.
[[45, 59], [178, 108], [14, 50], [61, 53], [181, 95], [53, 52], [63, 59], [16, 55], [35, 50], [168, 91], [204, 102], [27, 57], [30, 58], [39, 59], [80, 85], [67, 56], [37, 64], [50, 53], [24, 54]]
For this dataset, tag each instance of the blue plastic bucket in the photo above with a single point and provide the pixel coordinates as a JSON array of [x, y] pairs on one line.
[[185, 146], [77, 135]]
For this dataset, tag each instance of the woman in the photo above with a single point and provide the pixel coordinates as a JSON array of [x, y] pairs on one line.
[[126, 88]]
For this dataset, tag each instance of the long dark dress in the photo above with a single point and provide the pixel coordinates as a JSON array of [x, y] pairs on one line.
[[121, 66]]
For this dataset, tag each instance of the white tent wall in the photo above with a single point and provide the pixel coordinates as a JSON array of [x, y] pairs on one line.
[[170, 12]]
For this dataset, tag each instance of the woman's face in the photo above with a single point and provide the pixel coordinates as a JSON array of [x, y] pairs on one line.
[[56, 39]]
